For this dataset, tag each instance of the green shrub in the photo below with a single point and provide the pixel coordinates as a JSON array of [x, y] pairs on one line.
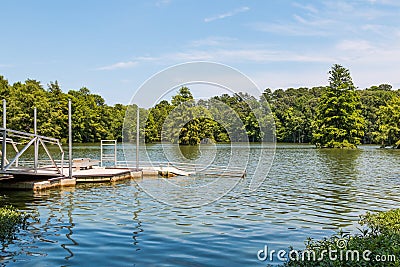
[[380, 239], [382, 222], [10, 221]]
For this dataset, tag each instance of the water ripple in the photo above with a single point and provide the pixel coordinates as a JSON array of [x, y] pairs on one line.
[[308, 192]]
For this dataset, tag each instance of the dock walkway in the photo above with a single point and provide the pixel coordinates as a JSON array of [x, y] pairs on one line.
[[53, 171]]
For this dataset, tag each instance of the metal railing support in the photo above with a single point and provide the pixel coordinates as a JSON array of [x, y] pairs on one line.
[[33, 138], [70, 138], [20, 153], [49, 155], [36, 144], [4, 144], [137, 137], [62, 158]]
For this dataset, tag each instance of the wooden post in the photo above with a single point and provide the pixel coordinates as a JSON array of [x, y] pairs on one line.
[[3, 147], [70, 138]]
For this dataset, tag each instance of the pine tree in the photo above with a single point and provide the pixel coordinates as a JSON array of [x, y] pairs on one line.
[[338, 122]]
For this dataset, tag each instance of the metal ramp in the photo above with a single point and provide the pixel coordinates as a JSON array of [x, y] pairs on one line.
[[186, 169], [170, 170], [174, 171], [13, 166]]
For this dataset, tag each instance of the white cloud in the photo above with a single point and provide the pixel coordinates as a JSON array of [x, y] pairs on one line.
[[384, 2], [161, 3], [119, 65], [337, 19], [339, 6], [278, 78], [355, 45], [227, 14], [367, 55], [317, 22], [212, 41], [245, 55], [290, 29], [308, 7]]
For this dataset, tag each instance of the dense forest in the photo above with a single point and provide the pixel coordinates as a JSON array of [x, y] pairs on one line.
[[301, 115], [93, 120]]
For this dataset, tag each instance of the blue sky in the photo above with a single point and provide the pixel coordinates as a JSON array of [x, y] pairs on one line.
[[112, 47]]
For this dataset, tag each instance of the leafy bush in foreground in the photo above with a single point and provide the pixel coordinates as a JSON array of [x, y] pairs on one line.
[[10, 221], [377, 245]]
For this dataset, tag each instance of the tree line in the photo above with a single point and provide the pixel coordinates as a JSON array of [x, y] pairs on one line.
[[336, 115], [93, 120]]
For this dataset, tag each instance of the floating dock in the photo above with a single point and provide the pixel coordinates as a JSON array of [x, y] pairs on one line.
[[40, 179], [53, 171], [105, 175], [47, 177], [13, 183]]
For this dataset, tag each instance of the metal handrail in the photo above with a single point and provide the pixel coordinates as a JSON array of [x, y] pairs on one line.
[[48, 139]]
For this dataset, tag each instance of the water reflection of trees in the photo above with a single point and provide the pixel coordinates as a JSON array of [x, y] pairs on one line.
[[335, 185]]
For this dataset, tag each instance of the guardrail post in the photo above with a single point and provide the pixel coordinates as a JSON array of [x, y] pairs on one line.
[[36, 144], [137, 138], [70, 138]]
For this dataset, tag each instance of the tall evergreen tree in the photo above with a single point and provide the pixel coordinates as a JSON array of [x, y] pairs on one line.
[[389, 126], [338, 122]]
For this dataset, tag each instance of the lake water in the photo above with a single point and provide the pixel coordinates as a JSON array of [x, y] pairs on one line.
[[307, 193]]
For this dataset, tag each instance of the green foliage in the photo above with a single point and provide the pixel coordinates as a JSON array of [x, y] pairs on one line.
[[382, 222], [332, 116], [188, 122], [218, 119], [372, 99], [130, 123], [155, 121], [338, 121], [381, 238], [184, 96], [10, 221], [294, 110], [389, 126], [237, 117], [93, 120]]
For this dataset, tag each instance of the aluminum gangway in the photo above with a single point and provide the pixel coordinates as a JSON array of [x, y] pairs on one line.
[[186, 169], [13, 166]]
